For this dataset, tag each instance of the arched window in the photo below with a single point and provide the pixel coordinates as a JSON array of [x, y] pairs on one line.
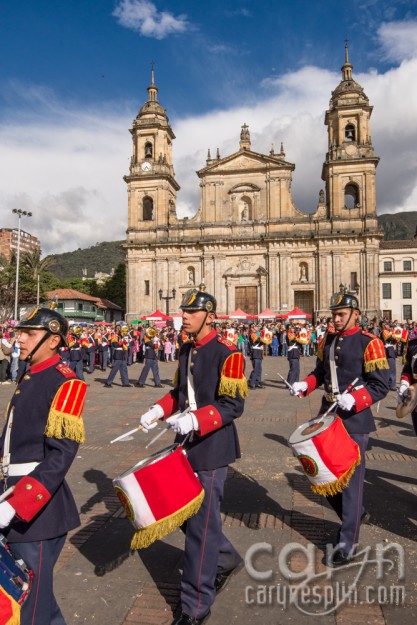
[[351, 196], [148, 150], [147, 208], [350, 134]]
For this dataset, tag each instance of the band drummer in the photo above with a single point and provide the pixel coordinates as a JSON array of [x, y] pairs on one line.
[[210, 390], [343, 355], [38, 445], [409, 372]]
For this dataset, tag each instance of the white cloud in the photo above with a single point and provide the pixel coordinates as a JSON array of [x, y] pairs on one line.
[[66, 165], [142, 16], [398, 40]]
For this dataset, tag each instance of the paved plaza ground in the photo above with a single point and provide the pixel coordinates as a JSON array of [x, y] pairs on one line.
[[268, 510]]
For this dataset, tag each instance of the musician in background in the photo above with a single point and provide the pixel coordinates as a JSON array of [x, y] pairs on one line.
[[209, 393], [409, 371], [256, 356], [150, 348], [293, 356], [120, 349], [390, 345], [43, 425], [343, 355]]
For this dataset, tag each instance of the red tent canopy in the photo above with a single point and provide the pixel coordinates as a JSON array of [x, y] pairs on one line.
[[297, 313], [156, 316], [240, 314], [267, 314]]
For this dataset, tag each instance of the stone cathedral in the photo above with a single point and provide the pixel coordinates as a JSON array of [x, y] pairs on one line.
[[248, 242]]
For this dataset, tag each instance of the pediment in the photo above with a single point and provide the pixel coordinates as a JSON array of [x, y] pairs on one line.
[[244, 161]]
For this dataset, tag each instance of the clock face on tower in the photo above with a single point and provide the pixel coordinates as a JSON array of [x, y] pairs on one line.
[[146, 166]]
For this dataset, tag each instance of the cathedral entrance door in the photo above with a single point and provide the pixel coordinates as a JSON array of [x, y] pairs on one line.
[[304, 300], [246, 298]]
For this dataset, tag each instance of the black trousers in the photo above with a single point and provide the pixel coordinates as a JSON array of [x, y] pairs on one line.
[[40, 607]]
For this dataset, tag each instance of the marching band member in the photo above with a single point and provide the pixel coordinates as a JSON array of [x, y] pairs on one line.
[[43, 425], [293, 356], [409, 371], [257, 354], [343, 356], [75, 352], [210, 391], [119, 361], [390, 345], [91, 349], [150, 346]]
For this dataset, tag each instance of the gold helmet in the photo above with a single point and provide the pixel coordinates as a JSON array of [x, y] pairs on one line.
[[76, 330], [124, 330]]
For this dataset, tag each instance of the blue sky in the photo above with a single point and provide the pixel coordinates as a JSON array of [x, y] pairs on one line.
[[74, 74]]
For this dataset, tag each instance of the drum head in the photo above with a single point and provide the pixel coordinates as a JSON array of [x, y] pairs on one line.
[[158, 455], [409, 403], [310, 429]]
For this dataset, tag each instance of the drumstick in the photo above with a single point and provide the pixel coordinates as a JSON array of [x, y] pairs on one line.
[[347, 390], [289, 385], [155, 438], [7, 493], [140, 427]]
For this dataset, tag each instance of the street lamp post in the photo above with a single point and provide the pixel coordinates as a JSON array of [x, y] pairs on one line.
[[20, 214], [167, 298]]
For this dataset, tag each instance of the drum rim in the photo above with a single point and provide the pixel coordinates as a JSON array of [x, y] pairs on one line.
[[155, 457], [331, 417]]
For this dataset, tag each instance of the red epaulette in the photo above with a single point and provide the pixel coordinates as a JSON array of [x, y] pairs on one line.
[[228, 343], [65, 370], [371, 336]]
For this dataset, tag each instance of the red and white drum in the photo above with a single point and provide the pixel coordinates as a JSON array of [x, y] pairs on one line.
[[266, 336], [15, 582], [158, 494], [326, 452]]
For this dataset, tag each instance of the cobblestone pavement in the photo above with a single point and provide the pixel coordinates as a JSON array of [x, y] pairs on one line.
[[267, 501]]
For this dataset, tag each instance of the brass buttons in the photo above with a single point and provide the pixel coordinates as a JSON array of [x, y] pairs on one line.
[[28, 486], [195, 352], [39, 497]]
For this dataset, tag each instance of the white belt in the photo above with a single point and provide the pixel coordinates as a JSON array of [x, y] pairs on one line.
[[24, 468]]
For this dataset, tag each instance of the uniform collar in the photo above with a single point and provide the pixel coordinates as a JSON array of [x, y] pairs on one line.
[[45, 364], [353, 330], [206, 339]]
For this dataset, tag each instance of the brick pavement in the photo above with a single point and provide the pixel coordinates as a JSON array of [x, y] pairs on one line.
[[267, 500]]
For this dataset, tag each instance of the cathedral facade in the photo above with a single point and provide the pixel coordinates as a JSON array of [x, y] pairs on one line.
[[248, 243]]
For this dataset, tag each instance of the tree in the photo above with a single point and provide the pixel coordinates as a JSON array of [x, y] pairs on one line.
[[114, 288], [7, 282], [36, 266]]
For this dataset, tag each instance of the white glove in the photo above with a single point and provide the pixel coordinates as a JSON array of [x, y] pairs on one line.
[[402, 391], [183, 423], [345, 402], [7, 513], [154, 413], [298, 387]]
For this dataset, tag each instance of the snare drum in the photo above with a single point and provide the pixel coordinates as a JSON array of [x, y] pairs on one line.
[[15, 582], [158, 494], [326, 452]]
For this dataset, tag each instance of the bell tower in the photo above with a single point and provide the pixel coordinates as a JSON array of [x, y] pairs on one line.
[[350, 166], [151, 180]]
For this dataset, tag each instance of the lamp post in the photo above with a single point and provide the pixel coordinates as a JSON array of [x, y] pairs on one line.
[[20, 214], [167, 298]]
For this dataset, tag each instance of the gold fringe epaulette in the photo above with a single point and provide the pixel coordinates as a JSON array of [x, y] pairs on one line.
[[64, 418], [375, 356], [332, 488], [176, 377], [146, 536], [230, 386], [320, 349]]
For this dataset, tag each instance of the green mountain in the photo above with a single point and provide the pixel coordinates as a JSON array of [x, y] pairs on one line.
[[103, 257], [398, 225]]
